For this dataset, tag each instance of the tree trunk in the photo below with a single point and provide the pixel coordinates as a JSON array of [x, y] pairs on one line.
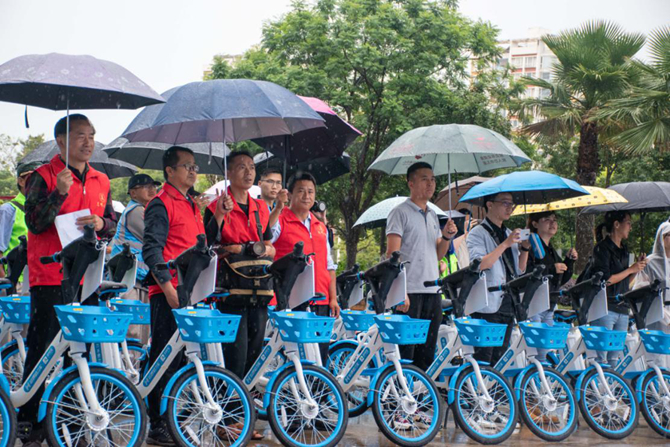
[[382, 242], [588, 166], [351, 245]]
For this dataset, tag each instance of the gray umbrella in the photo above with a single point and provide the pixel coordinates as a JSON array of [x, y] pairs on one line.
[[99, 160], [149, 155], [376, 215], [66, 82], [450, 148], [643, 198]]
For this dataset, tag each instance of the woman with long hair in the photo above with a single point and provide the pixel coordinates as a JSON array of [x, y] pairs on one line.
[[611, 257], [545, 225]]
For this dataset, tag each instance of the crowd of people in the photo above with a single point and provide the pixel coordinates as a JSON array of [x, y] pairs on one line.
[[162, 220]]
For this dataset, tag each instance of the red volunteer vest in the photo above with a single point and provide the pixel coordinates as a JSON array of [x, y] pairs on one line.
[[185, 224], [294, 231], [92, 195], [237, 227]]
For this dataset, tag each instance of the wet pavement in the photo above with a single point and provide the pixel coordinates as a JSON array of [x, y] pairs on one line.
[[363, 431]]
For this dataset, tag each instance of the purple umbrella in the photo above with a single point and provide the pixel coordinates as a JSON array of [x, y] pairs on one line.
[[66, 82]]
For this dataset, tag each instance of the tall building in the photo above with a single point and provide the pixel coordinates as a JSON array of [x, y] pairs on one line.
[[528, 56]]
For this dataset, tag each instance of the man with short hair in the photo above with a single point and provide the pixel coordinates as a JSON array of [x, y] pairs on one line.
[[233, 220], [413, 229], [498, 248], [298, 224], [12, 213], [172, 224], [130, 229], [55, 189], [271, 192]]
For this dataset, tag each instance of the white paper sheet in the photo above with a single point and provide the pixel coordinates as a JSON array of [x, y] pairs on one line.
[[478, 298], [66, 225], [303, 289], [598, 307], [398, 291], [540, 301], [93, 275], [206, 282], [356, 294]]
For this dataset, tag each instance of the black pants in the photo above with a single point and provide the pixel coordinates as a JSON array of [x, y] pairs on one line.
[[163, 327], [321, 311], [425, 306], [492, 355], [241, 355], [42, 329]]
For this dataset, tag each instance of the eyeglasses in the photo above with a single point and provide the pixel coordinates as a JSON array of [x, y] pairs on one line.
[[188, 167], [149, 186], [273, 182], [508, 205]]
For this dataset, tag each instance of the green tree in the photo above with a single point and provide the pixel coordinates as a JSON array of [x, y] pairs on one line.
[[644, 111], [387, 67], [593, 68]]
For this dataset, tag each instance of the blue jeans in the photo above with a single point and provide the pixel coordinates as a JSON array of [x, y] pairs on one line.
[[613, 321], [546, 317]]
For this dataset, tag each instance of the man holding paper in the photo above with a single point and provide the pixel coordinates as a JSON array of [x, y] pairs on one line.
[[413, 229], [55, 190], [298, 224]]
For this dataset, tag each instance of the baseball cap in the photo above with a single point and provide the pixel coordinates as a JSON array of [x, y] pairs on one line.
[[24, 168], [140, 180]]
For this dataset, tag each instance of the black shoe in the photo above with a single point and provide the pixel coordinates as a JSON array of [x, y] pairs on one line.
[[29, 436], [159, 435]]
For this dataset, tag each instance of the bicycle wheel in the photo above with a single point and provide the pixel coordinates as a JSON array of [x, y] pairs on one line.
[[68, 424], [192, 422], [8, 424], [612, 418], [485, 421], [297, 423], [12, 365], [655, 403], [550, 417], [338, 356], [402, 421]]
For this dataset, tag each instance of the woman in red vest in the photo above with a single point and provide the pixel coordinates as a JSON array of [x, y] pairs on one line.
[[297, 224], [54, 189], [172, 222]]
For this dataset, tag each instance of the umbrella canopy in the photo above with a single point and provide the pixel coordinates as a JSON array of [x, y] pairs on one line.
[[61, 81], [323, 169], [376, 215], [526, 187], [99, 160], [645, 197], [457, 190], [148, 155], [254, 191], [316, 143], [227, 110], [597, 196], [450, 148]]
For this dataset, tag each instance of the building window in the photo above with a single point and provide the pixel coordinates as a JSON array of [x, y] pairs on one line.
[[545, 93], [517, 62], [546, 76], [530, 61], [502, 62], [548, 61]]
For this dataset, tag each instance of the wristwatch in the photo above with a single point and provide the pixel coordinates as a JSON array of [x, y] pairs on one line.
[[522, 248], [446, 238]]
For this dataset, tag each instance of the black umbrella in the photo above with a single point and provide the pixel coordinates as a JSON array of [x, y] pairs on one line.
[[323, 169], [99, 160], [66, 82], [643, 198]]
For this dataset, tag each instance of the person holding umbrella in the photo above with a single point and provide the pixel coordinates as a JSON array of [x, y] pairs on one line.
[[51, 190], [414, 229], [172, 224], [611, 257], [12, 213], [504, 256]]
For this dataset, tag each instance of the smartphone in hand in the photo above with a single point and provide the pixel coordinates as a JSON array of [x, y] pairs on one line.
[[524, 234]]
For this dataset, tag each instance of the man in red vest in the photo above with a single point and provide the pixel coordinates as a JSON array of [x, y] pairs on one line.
[[54, 189], [234, 219], [172, 223], [297, 224]]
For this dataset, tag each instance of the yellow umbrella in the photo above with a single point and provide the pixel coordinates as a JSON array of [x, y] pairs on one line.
[[596, 196]]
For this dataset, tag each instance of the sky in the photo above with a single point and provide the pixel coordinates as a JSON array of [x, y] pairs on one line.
[[171, 42]]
